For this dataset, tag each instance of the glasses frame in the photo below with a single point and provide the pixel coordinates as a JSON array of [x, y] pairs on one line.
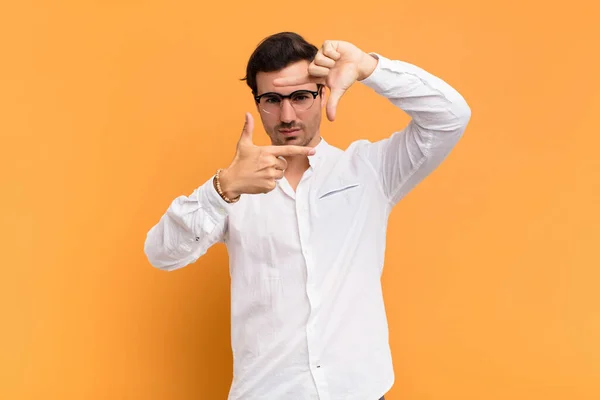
[[289, 96]]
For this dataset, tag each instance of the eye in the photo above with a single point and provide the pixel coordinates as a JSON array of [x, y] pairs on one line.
[[301, 97], [271, 99]]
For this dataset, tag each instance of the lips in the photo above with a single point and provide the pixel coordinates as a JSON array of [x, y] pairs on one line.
[[288, 132]]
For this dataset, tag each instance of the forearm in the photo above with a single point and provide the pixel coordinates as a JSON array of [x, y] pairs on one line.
[[433, 104], [188, 228], [439, 117]]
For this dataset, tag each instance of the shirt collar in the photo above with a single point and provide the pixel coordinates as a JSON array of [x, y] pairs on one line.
[[322, 149]]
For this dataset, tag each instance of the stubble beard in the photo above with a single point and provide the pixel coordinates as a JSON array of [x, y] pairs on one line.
[[278, 139]]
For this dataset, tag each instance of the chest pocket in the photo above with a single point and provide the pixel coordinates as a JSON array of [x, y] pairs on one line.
[[333, 191], [339, 198], [337, 206]]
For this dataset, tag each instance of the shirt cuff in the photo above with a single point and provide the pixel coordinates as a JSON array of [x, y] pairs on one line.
[[376, 74], [212, 202], [386, 73]]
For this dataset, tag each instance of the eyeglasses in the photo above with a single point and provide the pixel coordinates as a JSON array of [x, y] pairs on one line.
[[301, 100]]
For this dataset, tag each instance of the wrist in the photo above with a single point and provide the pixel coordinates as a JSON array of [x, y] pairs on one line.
[[366, 66], [226, 182]]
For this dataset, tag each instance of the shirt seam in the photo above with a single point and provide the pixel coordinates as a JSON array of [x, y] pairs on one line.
[[426, 155], [373, 81], [379, 184]]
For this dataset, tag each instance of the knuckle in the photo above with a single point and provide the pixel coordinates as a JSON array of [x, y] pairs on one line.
[[317, 70], [265, 159]]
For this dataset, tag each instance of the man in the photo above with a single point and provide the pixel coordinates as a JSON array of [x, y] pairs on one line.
[[305, 223]]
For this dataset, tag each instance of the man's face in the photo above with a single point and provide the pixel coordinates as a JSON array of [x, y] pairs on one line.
[[287, 125]]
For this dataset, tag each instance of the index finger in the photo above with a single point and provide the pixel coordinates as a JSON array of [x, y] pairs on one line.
[[297, 80], [291, 150]]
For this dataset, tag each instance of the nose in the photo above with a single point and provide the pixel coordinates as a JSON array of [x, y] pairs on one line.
[[288, 114]]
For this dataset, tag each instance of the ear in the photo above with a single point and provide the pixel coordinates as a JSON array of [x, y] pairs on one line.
[[323, 96]]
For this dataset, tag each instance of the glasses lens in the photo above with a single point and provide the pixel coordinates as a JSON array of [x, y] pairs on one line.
[[302, 100], [270, 103]]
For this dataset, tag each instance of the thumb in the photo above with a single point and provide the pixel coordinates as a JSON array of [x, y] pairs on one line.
[[246, 136], [334, 98]]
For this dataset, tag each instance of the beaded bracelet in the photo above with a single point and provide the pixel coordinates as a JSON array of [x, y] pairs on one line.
[[217, 185]]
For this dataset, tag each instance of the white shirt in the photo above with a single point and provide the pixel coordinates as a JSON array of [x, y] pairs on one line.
[[307, 312]]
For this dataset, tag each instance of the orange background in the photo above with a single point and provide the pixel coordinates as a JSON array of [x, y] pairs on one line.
[[111, 109]]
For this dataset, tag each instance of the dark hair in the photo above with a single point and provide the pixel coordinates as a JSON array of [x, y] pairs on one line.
[[276, 52]]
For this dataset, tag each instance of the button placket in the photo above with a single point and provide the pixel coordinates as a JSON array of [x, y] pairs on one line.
[[303, 218]]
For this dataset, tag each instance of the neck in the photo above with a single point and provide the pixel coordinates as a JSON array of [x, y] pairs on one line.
[[297, 165]]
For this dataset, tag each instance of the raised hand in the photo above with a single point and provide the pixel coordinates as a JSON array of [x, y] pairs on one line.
[[255, 169], [337, 65]]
